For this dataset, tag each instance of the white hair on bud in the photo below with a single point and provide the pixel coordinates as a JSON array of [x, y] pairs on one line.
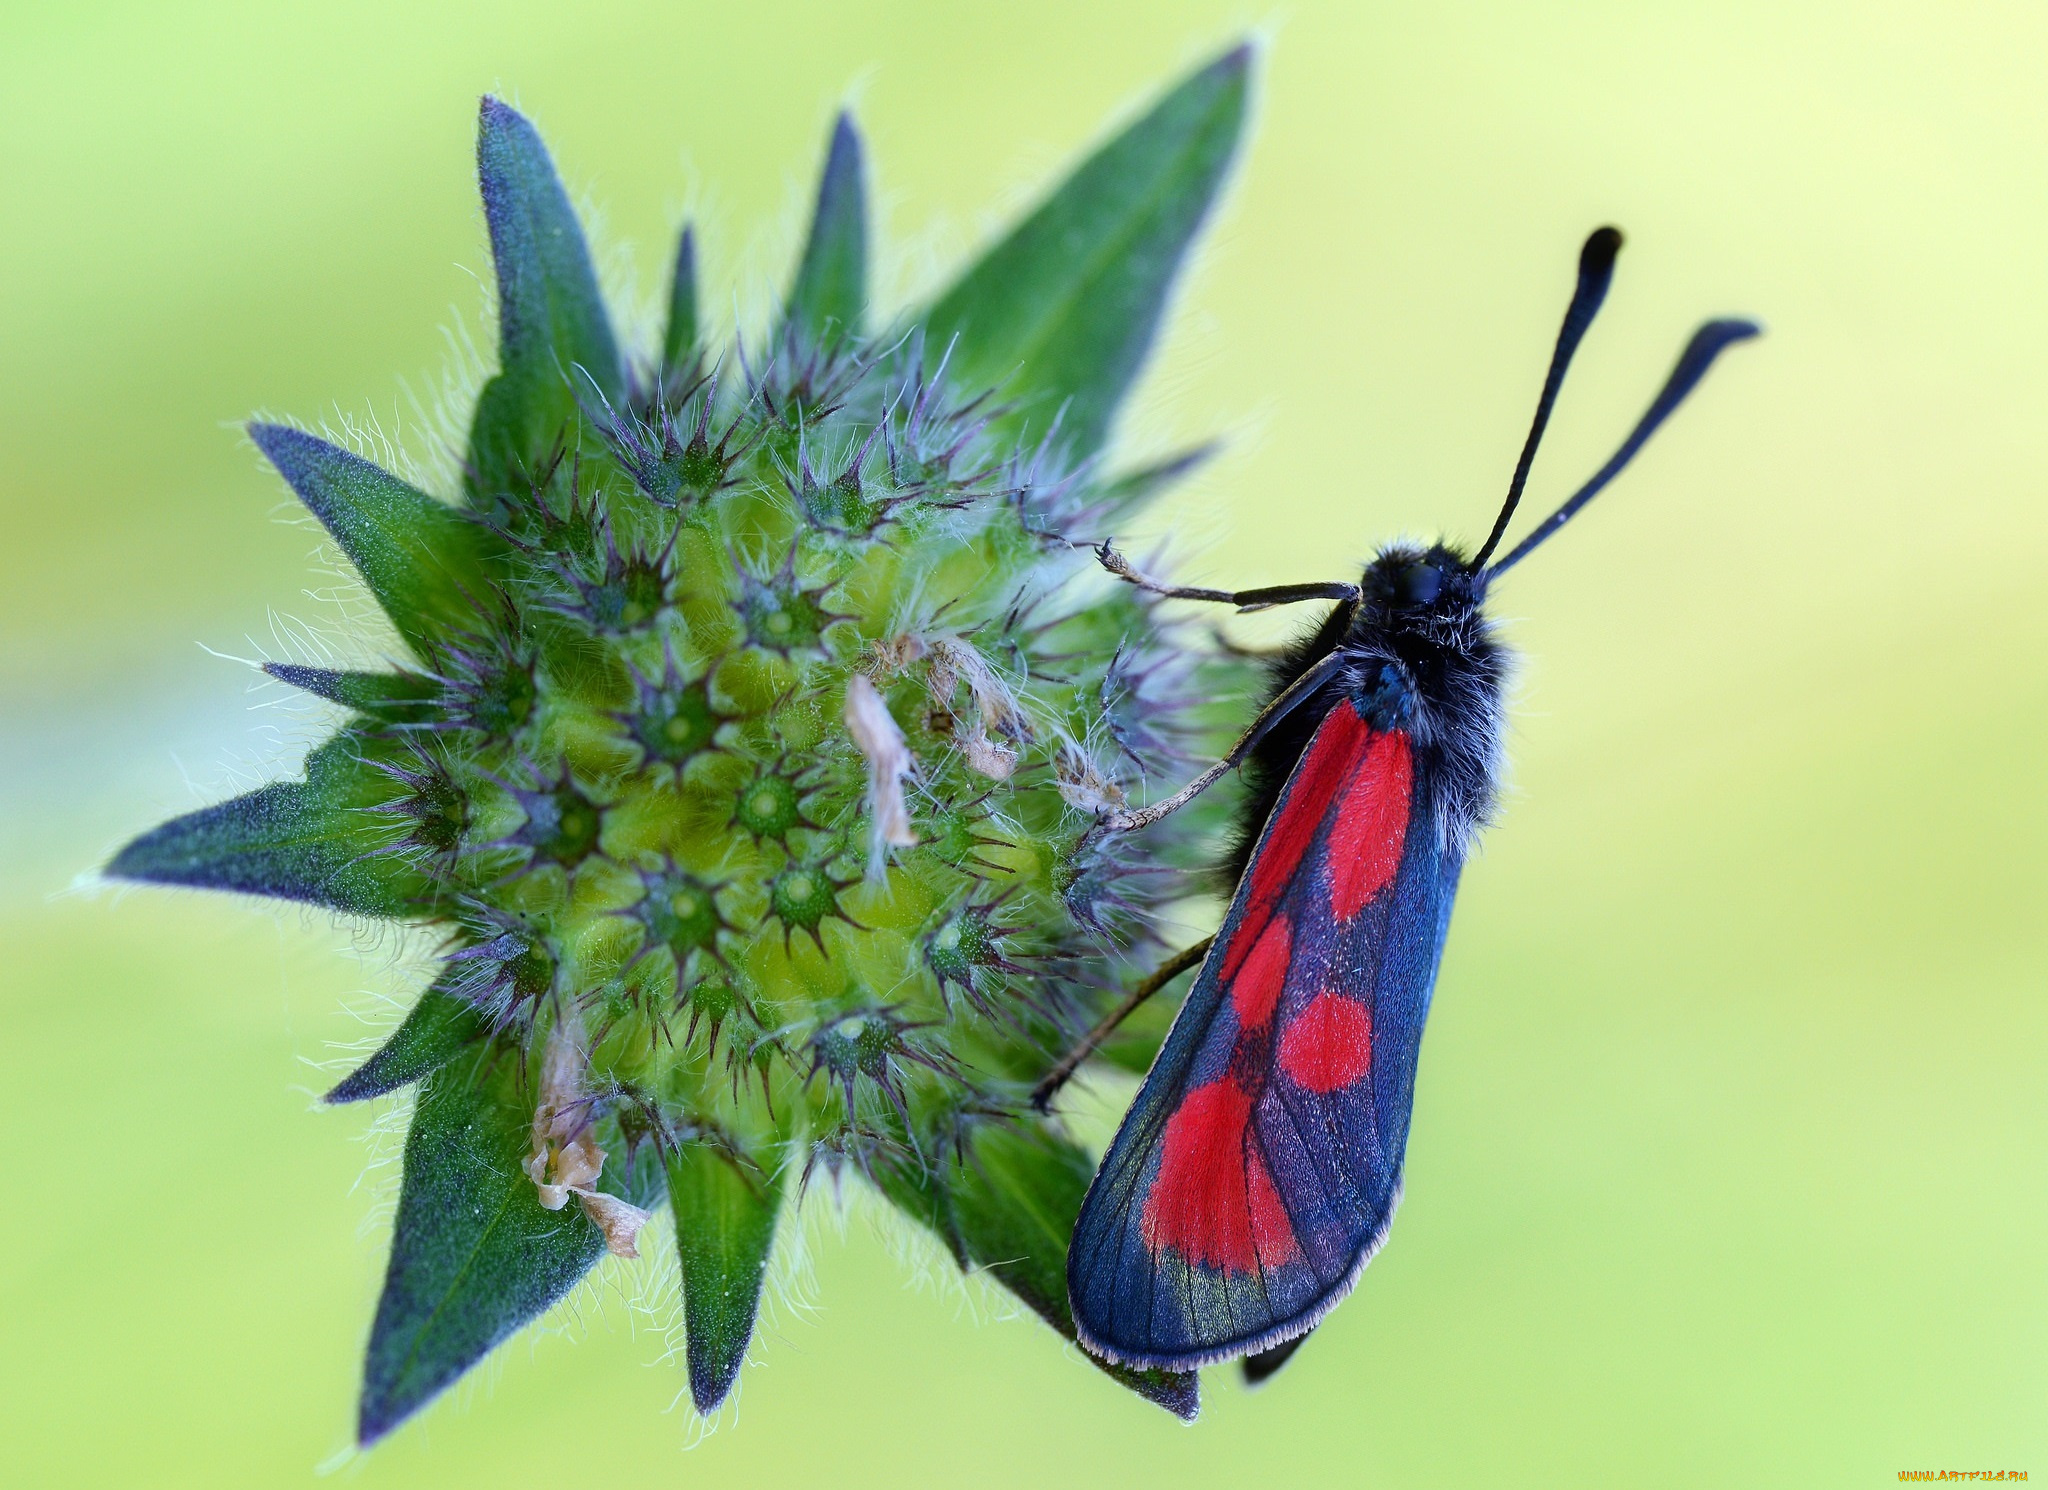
[[1083, 784], [986, 739], [986, 757], [880, 738], [565, 1159], [889, 657]]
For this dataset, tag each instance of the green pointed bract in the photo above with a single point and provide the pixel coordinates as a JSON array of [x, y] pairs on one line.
[[314, 841], [1060, 314], [679, 337], [555, 342], [551, 317], [440, 1027], [422, 560], [473, 1254], [749, 772], [387, 696], [725, 1208], [1015, 1198], [830, 292]]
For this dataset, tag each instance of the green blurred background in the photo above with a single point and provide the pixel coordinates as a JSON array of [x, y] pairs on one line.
[[1730, 1159]]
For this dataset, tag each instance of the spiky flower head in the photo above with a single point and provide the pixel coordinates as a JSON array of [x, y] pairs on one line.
[[757, 709]]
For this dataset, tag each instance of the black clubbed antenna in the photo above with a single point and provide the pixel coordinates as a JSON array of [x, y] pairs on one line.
[[1596, 273], [1707, 343]]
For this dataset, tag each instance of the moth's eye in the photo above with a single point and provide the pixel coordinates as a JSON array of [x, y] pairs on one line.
[[1421, 583]]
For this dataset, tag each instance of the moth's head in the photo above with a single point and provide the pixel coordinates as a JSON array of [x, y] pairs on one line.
[[1408, 584]]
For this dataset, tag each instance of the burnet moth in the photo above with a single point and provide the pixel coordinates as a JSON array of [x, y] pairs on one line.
[[1258, 1170]]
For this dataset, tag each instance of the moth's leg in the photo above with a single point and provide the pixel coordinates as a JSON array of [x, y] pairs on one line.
[[1290, 699], [1261, 1364], [1244, 600], [1165, 973]]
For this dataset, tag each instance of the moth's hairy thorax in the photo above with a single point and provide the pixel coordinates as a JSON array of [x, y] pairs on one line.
[[1454, 666], [1432, 666]]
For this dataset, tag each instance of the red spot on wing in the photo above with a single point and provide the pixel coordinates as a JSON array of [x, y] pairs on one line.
[[1256, 988], [1328, 1044], [1372, 824], [1212, 1200], [1331, 754]]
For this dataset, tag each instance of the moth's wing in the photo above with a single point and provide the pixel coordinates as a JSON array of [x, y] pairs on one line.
[[1258, 1168], [1331, 1124]]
